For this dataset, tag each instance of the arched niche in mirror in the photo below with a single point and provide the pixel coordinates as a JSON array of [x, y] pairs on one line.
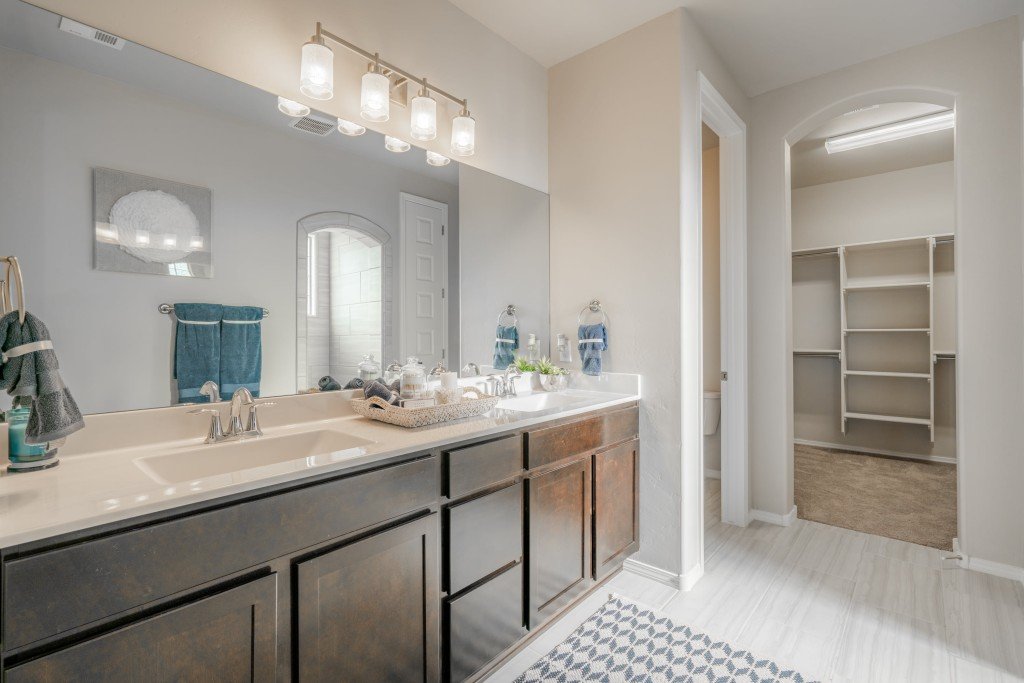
[[343, 296]]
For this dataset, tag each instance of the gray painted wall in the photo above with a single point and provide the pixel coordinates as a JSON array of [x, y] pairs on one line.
[[505, 247], [58, 122]]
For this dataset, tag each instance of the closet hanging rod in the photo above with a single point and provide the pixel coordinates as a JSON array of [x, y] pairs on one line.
[[823, 252], [167, 309]]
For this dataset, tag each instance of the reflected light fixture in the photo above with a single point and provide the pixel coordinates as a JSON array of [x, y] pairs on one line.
[[889, 132], [291, 107], [349, 128], [316, 75], [435, 159], [375, 95], [395, 145], [424, 115], [463, 134]]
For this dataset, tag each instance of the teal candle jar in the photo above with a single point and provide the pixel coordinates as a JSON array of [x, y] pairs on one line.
[[18, 450]]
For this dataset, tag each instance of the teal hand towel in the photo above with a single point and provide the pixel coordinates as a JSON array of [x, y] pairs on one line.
[[196, 349], [241, 349], [593, 340], [30, 369], [506, 341]]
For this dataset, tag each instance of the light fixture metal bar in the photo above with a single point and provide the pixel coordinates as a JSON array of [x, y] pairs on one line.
[[321, 32]]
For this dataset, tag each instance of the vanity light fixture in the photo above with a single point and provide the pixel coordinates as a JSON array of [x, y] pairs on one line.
[[317, 81], [424, 115], [349, 128], [463, 134], [142, 237], [170, 240], [195, 242], [316, 75], [435, 159], [395, 145], [931, 123], [291, 107]]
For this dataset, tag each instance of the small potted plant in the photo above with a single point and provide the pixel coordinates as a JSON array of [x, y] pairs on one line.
[[552, 377], [528, 368]]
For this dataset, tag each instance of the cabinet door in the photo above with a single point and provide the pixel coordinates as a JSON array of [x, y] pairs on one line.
[[559, 538], [616, 514], [230, 636], [368, 611]]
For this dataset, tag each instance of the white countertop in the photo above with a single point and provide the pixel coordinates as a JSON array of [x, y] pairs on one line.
[[100, 479]]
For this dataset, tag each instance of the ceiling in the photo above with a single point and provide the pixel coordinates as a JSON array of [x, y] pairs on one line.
[[765, 43], [812, 165]]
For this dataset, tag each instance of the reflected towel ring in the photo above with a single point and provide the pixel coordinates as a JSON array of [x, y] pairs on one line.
[[593, 307], [509, 311], [12, 276]]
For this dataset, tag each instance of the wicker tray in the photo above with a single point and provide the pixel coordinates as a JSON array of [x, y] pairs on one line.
[[378, 409]]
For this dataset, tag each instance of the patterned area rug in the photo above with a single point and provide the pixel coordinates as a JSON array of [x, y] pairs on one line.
[[626, 642]]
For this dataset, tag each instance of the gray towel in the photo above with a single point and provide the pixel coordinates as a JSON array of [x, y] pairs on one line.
[[36, 375]]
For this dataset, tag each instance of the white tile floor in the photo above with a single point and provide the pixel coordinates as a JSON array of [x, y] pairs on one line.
[[836, 604]]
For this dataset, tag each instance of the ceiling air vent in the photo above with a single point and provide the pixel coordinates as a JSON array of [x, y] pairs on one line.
[[317, 125], [90, 33]]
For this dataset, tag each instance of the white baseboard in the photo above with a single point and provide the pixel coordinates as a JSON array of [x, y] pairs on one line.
[[875, 451], [662, 576], [773, 518], [1006, 571], [688, 580], [713, 474]]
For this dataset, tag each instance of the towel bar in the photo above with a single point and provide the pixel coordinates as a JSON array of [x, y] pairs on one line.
[[167, 309]]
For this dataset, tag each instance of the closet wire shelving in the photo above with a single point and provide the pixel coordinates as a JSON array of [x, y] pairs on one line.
[[892, 282]]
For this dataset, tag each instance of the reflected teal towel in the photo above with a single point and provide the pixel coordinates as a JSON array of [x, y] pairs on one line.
[[506, 342], [241, 349], [593, 340], [196, 349]]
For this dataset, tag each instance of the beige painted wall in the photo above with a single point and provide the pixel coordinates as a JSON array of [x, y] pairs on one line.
[[621, 188], [711, 272], [990, 365], [258, 42]]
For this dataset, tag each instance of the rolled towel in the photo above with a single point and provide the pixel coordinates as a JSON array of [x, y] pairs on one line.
[[380, 390], [30, 369], [506, 341], [354, 383], [328, 383], [593, 340]]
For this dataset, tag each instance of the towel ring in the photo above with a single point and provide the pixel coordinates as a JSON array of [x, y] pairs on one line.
[[12, 275], [593, 307], [509, 311]]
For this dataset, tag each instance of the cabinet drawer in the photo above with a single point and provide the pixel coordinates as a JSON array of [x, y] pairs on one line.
[[58, 590], [475, 467], [230, 636], [484, 622], [484, 535], [545, 446]]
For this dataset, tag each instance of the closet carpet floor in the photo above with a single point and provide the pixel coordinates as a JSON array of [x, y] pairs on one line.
[[902, 499]]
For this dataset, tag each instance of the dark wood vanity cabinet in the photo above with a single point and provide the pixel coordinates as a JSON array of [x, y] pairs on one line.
[[616, 507], [369, 610], [228, 636]]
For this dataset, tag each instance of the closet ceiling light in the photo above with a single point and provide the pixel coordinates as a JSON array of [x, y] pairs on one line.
[[316, 75], [349, 128], [292, 108], [932, 123], [424, 116], [463, 134], [395, 145], [435, 159]]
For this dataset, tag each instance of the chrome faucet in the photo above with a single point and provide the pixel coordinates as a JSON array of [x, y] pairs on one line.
[[242, 396], [210, 389], [509, 381], [471, 370]]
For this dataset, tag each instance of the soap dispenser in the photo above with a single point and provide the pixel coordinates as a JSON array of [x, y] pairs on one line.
[[564, 349], [532, 349]]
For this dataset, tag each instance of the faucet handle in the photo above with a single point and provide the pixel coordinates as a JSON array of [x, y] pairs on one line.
[[254, 423], [216, 433]]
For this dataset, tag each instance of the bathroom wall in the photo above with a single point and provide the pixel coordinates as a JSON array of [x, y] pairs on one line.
[[623, 180], [317, 341], [505, 228], [711, 311], [60, 122], [356, 295], [989, 249], [259, 43]]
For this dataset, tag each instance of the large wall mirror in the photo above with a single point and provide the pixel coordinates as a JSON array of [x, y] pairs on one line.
[[130, 179]]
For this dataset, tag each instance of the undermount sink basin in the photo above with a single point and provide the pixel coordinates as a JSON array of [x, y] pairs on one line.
[[532, 403], [207, 460]]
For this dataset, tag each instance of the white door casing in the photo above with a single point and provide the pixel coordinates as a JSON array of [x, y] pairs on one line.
[[423, 280]]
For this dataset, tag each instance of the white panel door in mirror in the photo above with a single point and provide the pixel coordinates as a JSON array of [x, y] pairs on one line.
[[424, 245]]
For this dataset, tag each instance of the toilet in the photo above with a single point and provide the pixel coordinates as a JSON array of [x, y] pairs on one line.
[[712, 412]]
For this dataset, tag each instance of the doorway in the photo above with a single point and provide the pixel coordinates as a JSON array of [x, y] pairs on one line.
[[423, 278]]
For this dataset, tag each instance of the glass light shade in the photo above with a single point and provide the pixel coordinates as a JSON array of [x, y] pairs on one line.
[[349, 128], [463, 136], [316, 76], [395, 145], [375, 97], [291, 107], [435, 159], [424, 117]]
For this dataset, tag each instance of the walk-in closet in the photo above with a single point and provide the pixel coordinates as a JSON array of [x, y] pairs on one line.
[[874, 324]]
